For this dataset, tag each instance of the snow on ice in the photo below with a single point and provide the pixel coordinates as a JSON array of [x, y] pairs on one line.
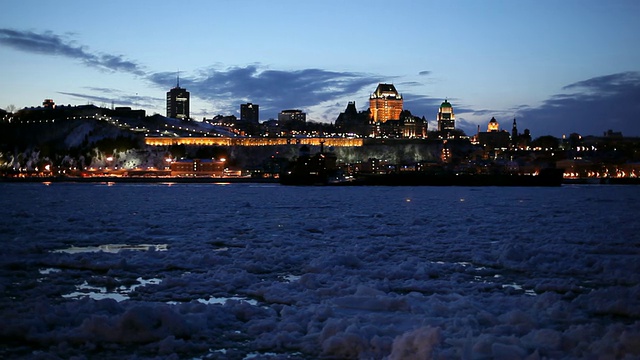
[[271, 272]]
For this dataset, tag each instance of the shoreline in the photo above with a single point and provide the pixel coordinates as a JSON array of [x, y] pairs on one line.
[[140, 180], [245, 180]]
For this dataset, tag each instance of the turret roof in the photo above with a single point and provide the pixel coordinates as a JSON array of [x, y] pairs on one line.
[[386, 90], [445, 104]]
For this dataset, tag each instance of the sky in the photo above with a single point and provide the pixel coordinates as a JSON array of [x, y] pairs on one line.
[[558, 67]]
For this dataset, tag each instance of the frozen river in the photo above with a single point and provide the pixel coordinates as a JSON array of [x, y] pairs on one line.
[[271, 272]]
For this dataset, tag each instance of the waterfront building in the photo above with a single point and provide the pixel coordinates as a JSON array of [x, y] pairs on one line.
[[251, 141], [446, 118], [385, 104], [197, 167], [250, 113], [178, 102]]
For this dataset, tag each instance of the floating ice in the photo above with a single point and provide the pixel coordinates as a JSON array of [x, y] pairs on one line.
[[275, 272], [48, 271], [99, 292], [112, 248]]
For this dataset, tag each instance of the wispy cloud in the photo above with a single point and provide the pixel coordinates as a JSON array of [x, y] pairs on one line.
[[421, 105], [609, 84], [107, 96], [49, 43], [424, 73]]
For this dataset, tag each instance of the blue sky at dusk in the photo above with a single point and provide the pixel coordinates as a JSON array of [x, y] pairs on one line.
[[557, 66]]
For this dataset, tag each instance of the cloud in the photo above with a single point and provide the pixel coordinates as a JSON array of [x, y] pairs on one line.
[[410, 84], [115, 96], [49, 43], [273, 90], [421, 105], [89, 98], [224, 90], [611, 84], [589, 107]]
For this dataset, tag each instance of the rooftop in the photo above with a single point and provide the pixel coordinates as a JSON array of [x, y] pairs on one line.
[[386, 90], [445, 104]]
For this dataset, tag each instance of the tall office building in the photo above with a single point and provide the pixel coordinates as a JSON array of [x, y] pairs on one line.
[[446, 118], [250, 112], [385, 103], [178, 102]]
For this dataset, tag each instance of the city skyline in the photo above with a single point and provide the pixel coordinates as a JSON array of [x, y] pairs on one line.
[[556, 67]]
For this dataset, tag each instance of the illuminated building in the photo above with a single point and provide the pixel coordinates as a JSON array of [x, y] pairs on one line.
[[445, 154], [250, 112], [290, 121], [251, 141], [446, 118], [385, 104], [178, 102], [493, 125], [407, 127], [413, 126], [291, 116], [197, 167], [493, 138]]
